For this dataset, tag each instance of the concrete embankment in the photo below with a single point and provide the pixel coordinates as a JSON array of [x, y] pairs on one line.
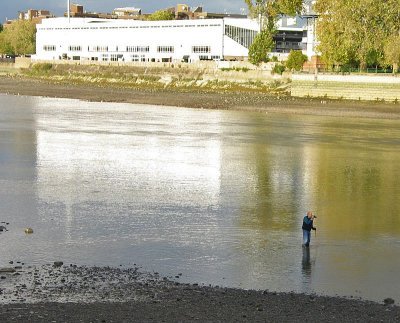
[[349, 87]]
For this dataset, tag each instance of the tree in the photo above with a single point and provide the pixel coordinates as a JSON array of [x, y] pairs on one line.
[[392, 51], [269, 10], [296, 60], [354, 32], [1, 28], [261, 45], [19, 38], [161, 15]]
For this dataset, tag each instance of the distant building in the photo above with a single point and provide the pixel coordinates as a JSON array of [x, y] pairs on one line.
[[127, 11], [35, 15]]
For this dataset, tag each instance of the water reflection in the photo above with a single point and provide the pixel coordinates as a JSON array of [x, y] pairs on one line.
[[216, 195], [306, 265]]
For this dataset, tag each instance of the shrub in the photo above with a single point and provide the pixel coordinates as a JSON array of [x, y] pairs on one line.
[[279, 69], [42, 67], [296, 60]]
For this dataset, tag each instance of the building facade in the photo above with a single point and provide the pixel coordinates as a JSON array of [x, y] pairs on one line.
[[98, 39], [130, 40]]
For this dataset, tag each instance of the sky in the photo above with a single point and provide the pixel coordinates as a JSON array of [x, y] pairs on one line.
[[9, 8]]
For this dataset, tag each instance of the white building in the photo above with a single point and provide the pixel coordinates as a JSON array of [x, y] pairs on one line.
[[132, 40], [158, 41]]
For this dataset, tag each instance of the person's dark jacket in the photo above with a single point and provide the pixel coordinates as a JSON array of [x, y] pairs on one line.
[[308, 224]]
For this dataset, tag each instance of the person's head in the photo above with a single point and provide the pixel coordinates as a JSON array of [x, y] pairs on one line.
[[310, 215]]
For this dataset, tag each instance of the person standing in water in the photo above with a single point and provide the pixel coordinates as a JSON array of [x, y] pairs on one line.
[[307, 227]]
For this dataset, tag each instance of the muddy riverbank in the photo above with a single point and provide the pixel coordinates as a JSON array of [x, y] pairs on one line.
[[68, 293], [247, 101]]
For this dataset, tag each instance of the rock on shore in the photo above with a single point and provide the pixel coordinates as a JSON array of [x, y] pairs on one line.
[[69, 293]]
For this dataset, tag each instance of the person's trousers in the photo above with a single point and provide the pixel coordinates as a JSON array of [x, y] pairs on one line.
[[306, 237]]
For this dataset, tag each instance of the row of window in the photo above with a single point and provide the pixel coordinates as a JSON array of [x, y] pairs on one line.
[[165, 49], [243, 36], [75, 48], [49, 48], [125, 27], [132, 49], [201, 49], [138, 49]]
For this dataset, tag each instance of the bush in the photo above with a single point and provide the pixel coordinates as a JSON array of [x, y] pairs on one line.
[[279, 69], [262, 44], [296, 60], [274, 59], [42, 67]]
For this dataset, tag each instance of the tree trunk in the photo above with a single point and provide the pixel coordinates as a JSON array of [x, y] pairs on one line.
[[395, 68], [363, 67]]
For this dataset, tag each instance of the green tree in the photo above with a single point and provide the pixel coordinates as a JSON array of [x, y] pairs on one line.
[[268, 11], [1, 28], [262, 44], [161, 15], [19, 38], [392, 52], [354, 32], [296, 60]]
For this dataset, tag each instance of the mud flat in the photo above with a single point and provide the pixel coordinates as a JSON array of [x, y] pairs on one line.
[[195, 98], [69, 293]]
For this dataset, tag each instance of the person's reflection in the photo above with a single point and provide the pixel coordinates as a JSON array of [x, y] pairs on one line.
[[306, 264]]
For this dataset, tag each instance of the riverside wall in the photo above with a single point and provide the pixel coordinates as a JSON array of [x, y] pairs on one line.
[[376, 87], [350, 87]]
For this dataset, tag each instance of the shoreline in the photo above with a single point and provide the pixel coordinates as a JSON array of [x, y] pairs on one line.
[[68, 293], [192, 98]]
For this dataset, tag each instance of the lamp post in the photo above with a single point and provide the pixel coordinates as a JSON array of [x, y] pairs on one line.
[[68, 11]]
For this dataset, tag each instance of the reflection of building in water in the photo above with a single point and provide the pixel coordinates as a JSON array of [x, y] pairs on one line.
[[86, 156]]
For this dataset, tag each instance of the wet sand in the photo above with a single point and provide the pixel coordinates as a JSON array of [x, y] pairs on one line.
[[68, 293], [248, 101]]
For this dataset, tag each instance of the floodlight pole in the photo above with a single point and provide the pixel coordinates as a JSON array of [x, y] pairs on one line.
[[68, 11]]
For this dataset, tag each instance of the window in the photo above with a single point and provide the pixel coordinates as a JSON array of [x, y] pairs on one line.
[[99, 49], [74, 48], [201, 49], [49, 48], [104, 57], [243, 36], [114, 58], [138, 49], [165, 49], [135, 58], [203, 58]]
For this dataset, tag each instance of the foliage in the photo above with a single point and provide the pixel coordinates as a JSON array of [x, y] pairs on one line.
[[19, 38], [161, 15], [1, 28], [237, 69], [274, 59], [269, 10], [262, 44], [392, 51], [42, 67], [354, 32], [296, 60], [279, 69]]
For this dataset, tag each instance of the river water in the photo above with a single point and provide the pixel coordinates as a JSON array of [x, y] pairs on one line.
[[216, 196]]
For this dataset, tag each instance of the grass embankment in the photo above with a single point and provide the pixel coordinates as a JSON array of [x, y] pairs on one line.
[[174, 78]]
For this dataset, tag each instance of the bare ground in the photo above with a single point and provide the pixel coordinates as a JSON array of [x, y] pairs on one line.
[[248, 101]]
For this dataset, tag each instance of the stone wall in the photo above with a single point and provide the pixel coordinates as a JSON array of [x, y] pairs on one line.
[[351, 87]]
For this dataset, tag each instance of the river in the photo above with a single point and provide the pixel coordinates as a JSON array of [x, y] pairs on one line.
[[213, 197]]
